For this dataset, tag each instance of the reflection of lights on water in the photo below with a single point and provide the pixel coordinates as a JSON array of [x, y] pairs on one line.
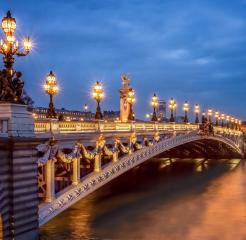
[[165, 162], [233, 163]]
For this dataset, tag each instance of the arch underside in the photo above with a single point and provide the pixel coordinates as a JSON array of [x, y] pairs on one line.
[[205, 148]]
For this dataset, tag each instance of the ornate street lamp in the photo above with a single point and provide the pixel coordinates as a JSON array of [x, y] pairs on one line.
[[236, 124], [172, 107], [154, 103], [239, 124], [131, 100], [197, 110], [186, 109], [210, 113], [86, 107], [222, 119], [232, 122], [51, 88], [216, 114], [12, 89], [204, 117], [228, 121], [98, 95]]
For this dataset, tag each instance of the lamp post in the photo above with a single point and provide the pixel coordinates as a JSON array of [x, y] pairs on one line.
[[197, 110], [216, 114], [51, 88], [131, 100], [186, 109], [204, 117], [98, 95], [232, 122], [154, 103], [12, 89], [228, 121], [222, 119], [236, 124], [86, 107], [210, 112], [239, 124], [172, 106]]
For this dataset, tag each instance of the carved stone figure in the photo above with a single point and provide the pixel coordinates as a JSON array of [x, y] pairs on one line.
[[18, 85], [7, 92]]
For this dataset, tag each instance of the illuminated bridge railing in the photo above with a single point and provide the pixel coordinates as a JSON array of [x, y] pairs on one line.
[[73, 127], [87, 127]]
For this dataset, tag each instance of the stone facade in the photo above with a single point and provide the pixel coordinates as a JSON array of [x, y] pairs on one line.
[[18, 173], [19, 188], [15, 121]]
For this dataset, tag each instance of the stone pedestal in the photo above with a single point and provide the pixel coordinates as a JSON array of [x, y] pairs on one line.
[[15, 121]]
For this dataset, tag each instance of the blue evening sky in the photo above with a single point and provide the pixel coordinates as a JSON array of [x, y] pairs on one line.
[[191, 50]]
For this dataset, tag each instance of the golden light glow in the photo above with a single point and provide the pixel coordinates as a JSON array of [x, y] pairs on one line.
[[172, 104], [216, 114], [154, 101], [27, 44], [222, 116], [227, 118], [210, 112], [8, 24], [186, 106], [97, 91], [86, 107], [50, 85], [197, 108], [131, 96]]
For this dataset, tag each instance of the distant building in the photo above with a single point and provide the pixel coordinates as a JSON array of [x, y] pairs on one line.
[[73, 115], [111, 115], [161, 111], [63, 114]]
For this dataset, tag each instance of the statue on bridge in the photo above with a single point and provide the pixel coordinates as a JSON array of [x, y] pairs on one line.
[[206, 128], [11, 87]]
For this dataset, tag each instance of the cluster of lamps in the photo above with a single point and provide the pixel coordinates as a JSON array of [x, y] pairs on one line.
[[51, 88], [220, 119]]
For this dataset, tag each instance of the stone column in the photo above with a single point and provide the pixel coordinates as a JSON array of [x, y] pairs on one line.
[[76, 171], [50, 180]]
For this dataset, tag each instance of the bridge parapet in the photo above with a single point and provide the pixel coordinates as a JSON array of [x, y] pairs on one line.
[[104, 126]]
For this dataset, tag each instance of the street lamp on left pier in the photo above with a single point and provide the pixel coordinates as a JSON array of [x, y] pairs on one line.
[[11, 85]]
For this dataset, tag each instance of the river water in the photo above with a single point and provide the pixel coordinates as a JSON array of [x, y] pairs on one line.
[[182, 200]]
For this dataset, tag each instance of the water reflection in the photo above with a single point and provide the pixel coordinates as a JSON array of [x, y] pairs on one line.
[[162, 199]]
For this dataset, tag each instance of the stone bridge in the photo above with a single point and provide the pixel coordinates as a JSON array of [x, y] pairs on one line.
[[81, 157]]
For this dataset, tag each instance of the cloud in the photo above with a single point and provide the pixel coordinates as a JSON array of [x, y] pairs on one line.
[[179, 51]]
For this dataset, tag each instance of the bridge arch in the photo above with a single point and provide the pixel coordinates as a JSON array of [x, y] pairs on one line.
[[207, 147], [125, 163]]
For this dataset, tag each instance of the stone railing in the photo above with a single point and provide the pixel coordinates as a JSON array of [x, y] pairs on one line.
[[104, 126]]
